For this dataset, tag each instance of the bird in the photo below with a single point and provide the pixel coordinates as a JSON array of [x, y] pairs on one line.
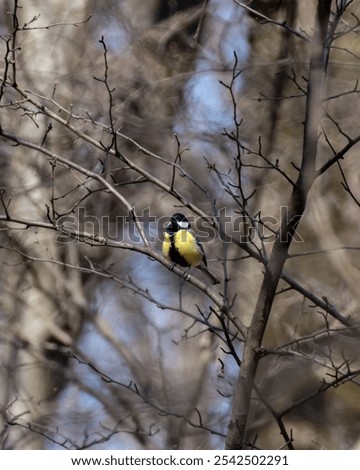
[[182, 247]]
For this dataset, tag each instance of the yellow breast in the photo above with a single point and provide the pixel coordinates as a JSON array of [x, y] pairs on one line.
[[166, 246], [186, 245], [181, 248]]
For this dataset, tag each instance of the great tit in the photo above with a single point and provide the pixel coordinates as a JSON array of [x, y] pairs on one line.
[[181, 246]]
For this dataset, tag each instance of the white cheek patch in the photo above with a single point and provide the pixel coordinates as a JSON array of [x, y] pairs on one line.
[[184, 225]]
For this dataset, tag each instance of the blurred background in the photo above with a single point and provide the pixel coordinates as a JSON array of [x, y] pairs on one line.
[[180, 106]]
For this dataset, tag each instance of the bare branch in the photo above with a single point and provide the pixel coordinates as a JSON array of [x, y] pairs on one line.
[[266, 19]]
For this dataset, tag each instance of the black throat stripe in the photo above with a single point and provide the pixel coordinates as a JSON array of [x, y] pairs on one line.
[[175, 256]]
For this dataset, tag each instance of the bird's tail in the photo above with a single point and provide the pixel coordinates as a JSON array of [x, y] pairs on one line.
[[213, 279]]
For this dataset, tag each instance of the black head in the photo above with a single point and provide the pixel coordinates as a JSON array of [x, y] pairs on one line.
[[178, 222]]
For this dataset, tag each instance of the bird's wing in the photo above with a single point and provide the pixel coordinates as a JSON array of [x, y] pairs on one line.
[[201, 250]]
